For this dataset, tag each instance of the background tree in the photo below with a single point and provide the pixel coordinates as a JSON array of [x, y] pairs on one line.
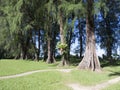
[[90, 60], [109, 25]]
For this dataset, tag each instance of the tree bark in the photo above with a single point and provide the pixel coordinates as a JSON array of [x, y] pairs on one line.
[[50, 58], [69, 38], [90, 59], [54, 39], [45, 51], [50, 43], [81, 40], [22, 54], [45, 48], [64, 61], [22, 45], [27, 45]]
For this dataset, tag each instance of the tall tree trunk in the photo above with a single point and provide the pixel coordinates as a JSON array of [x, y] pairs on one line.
[[50, 58], [45, 52], [27, 45], [81, 40], [22, 54], [54, 38], [69, 37], [50, 40], [36, 58], [64, 61], [109, 54], [22, 50], [109, 40], [22, 45], [90, 60]]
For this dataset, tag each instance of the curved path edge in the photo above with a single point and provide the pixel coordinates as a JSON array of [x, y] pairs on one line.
[[76, 86], [31, 72]]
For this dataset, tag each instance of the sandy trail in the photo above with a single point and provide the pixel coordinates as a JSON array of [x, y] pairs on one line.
[[31, 72], [76, 86]]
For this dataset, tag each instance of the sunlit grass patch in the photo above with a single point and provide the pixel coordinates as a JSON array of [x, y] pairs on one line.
[[88, 77], [9, 67]]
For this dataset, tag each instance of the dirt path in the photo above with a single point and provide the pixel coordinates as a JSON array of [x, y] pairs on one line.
[[31, 72], [76, 86]]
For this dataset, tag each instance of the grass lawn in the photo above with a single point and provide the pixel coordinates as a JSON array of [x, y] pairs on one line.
[[89, 78], [9, 67], [37, 81], [51, 80]]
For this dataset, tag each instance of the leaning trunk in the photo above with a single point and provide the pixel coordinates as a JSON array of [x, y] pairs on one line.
[[90, 60]]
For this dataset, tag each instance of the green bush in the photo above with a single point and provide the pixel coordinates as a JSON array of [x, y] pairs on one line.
[[61, 45]]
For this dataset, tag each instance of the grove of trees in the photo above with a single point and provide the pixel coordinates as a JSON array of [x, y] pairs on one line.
[[35, 29]]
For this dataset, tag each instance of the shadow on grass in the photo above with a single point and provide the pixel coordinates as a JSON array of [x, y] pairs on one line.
[[107, 63], [73, 61], [55, 64], [114, 74]]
